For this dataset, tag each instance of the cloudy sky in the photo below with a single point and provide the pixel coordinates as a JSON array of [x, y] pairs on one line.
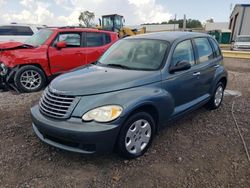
[[66, 12]]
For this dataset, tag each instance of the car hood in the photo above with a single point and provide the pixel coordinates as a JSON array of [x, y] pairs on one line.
[[12, 45], [93, 79]]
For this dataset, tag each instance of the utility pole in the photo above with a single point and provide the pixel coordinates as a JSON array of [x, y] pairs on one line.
[[184, 22], [174, 21]]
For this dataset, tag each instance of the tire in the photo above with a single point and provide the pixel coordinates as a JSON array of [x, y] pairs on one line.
[[133, 133], [29, 79], [217, 98]]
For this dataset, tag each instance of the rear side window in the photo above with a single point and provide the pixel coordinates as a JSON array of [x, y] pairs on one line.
[[6, 30], [97, 39], [16, 30], [216, 47], [183, 52], [21, 30], [204, 49]]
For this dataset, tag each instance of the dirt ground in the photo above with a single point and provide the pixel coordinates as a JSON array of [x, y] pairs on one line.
[[201, 150]]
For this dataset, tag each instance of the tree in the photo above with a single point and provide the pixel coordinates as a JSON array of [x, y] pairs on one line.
[[86, 19], [190, 23], [211, 20]]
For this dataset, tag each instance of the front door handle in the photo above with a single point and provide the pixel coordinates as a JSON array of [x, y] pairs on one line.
[[197, 73], [216, 66]]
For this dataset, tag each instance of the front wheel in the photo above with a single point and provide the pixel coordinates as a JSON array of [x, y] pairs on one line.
[[217, 97], [136, 135], [29, 79]]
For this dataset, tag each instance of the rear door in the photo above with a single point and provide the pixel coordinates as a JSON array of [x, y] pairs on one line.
[[207, 64], [96, 44], [72, 56]]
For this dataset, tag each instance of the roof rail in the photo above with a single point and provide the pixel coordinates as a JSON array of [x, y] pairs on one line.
[[69, 27]]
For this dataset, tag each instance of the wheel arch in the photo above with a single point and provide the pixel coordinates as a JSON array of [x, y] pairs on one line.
[[223, 80], [36, 65], [149, 108]]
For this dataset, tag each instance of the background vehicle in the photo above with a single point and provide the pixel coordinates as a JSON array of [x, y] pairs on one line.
[[138, 86], [114, 22], [242, 42], [18, 32], [48, 53]]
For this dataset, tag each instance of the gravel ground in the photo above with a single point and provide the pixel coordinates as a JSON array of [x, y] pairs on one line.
[[201, 150]]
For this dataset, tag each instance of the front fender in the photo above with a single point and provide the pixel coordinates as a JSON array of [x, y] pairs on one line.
[[131, 100]]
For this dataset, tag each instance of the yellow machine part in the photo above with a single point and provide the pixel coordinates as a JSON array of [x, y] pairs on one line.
[[125, 32]]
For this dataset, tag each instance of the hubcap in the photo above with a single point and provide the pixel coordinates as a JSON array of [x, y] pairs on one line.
[[138, 136], [30, 79], [218, 96]]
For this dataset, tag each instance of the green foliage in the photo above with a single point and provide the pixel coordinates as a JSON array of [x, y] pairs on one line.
[[190, 23], [86, 19], [211, 20]]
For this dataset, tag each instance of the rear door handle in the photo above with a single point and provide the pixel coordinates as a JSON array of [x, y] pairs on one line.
[[196, 73], [216, 66]]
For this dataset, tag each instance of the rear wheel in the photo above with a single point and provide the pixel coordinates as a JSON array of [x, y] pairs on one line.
[[30, 79], [136, 135], [217, 97]]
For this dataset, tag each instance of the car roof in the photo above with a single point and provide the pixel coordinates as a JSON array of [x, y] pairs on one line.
[[79, 29], [171, 36], [22, 24]]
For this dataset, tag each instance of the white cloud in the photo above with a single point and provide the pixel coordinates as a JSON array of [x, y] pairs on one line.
[[34, 12], [148, 11], [66, 12]]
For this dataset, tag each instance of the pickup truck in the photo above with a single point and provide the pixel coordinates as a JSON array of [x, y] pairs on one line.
[[29, 66]]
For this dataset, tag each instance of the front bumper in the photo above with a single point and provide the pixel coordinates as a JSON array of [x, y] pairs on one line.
[[74, 135]]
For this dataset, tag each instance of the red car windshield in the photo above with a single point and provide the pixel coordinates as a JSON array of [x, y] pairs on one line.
[[39, 38]]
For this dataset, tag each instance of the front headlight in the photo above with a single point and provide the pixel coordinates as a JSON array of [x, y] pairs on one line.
[[103, 114]]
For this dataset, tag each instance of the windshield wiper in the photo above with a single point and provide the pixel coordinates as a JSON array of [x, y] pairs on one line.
[[118, 65]]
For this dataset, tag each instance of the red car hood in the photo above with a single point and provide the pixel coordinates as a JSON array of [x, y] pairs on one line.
[[10, 45]]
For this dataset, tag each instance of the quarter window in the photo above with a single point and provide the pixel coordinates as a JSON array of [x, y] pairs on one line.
[[204, 49], [183, 52], [217, 51], [97, 39]]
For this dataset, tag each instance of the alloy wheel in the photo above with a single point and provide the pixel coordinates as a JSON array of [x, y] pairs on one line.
[[30, 79]]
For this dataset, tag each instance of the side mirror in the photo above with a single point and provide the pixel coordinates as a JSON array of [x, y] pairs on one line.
[[180, 66], [61, 44]]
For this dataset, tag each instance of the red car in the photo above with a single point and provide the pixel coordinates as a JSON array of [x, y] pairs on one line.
[[27, 67]]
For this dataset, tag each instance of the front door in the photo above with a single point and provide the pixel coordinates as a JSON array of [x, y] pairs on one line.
[[72, 56], [183, 85]]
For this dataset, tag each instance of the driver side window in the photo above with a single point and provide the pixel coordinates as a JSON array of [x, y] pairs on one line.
[[183, 52]]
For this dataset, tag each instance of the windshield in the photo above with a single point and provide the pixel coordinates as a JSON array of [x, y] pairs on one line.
[[139, 54], [108, 23], [39, 38], [243, 39]]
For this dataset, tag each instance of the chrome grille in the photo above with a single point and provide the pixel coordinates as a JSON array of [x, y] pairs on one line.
[[57, 105]]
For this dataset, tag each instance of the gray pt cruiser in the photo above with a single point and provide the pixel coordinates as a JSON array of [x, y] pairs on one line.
[[138, 86]]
